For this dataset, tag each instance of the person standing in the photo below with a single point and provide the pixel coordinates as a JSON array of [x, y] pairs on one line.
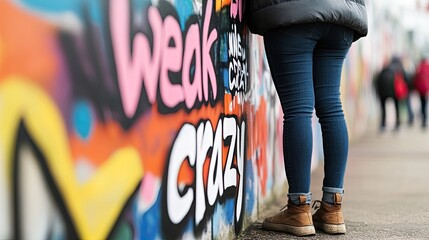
[[421, 84], [306, 43], [384, 86], [391, 83]]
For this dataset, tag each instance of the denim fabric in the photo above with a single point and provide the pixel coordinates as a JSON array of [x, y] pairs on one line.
[[294, 198], [329, 194], [306, 62]]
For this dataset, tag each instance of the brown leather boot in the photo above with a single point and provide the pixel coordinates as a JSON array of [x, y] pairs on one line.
[[329, 218], [295, 219]]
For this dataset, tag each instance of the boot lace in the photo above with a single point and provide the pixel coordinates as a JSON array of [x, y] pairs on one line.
[[316, 204], [284, 208]]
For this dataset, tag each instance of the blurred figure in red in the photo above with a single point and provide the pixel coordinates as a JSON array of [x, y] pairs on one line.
[[421, 84], [391, 83]]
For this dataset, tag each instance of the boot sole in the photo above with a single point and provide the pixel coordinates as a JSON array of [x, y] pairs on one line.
[[331, 228], [297, 231]]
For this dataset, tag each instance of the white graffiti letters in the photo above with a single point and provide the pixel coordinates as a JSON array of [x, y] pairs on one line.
[[193, 145], [180, 205], [238, 64]]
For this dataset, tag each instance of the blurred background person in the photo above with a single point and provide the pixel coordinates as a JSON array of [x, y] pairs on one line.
[[421, 84], [408, 73], [391, 83]]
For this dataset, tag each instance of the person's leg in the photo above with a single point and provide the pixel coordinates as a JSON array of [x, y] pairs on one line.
[[329, 56], [383, 113], [410, 111], [397, 114], [290, 56], [423, 100]]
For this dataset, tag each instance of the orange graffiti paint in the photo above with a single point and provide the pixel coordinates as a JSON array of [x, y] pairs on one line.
[[27, 43], [152, 136], [222, 3]]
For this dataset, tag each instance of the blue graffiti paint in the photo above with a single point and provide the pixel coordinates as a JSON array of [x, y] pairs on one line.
[[82, 119], [185, 9], [225, 75], [249, 200], [150, 221], [74, 6], [229, 208], [140, 4], [216, 219], [95, 12], [78, 7], [223, 213], [224, 48], [190, 225]]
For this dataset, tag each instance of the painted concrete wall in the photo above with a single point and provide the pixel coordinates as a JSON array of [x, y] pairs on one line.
[[139, 119]]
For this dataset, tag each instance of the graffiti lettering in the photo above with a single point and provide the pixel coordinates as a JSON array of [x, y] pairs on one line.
[[193, 145], [236, 9], [238, 73], [168, 54]]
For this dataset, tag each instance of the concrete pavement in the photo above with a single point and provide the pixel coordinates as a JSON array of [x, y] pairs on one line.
[[386, 189]]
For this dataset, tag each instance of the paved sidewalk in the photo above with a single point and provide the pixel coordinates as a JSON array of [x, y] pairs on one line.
[[387, 189]]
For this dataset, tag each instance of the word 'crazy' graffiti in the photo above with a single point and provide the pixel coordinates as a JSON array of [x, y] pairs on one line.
[[196, 147]]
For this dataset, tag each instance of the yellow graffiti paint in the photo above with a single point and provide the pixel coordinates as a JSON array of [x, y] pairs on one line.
[[95, 205], [222, 3]]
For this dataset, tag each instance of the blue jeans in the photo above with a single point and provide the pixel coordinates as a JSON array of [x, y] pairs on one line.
[[306, 61]]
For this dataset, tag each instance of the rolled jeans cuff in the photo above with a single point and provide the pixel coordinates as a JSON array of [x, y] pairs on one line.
[[294, 198], [329, 194]]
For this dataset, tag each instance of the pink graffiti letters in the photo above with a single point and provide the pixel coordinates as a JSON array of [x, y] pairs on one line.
[[153, 65], [194, 49], [208, 69], [236, 9], [131, 68], [193, 145]]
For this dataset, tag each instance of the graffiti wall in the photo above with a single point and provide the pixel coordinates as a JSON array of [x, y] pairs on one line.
[[133, 120], [136, 119]]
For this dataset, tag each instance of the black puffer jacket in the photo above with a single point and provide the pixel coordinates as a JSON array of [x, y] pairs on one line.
[[268, 14]]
